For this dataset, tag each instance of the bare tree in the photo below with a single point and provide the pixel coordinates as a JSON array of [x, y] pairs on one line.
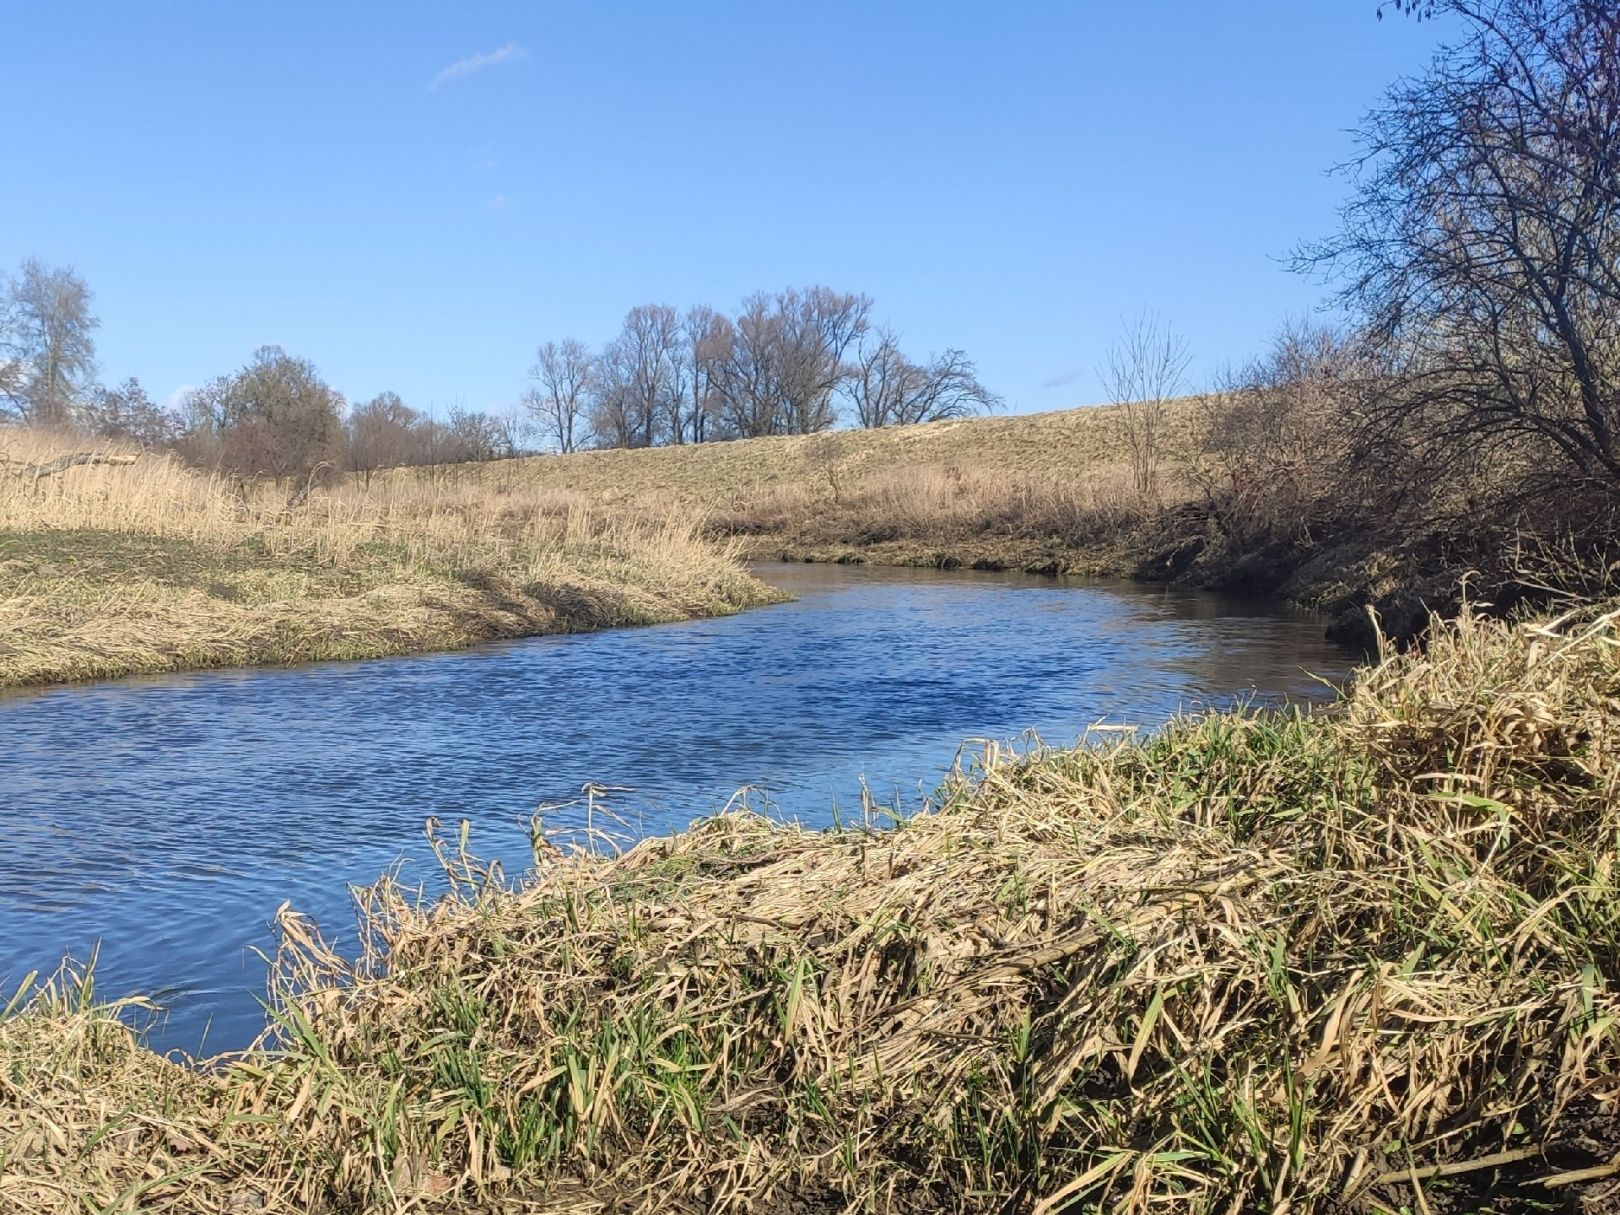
[[563, 372], [949, 388], [785, 360], [744, 377], [1483, 241], [126, 412], [878, 380], [1145, 371], [47, 343], [474, 437], [706, 343], [512, 428], [818, 326], [888, 389], [275, 417], [638, 387], [384, 432]]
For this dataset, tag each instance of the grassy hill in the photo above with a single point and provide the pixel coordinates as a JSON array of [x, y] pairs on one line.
[[1277, 508], [1046, 491], [1069, 445]]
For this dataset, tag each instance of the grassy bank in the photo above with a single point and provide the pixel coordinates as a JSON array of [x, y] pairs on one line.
[[1041, 492], [1257, 492], [116, 569], [1362, 960], [1066, 446]]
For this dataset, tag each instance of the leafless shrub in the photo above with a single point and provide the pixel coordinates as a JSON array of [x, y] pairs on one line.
[[1273, 437], [1482, 243], [1145, 371]]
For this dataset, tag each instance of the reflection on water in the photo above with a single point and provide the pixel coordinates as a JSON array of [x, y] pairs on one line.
[[168, 817]]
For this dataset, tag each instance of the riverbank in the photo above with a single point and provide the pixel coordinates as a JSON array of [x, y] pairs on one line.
[[1037, 493], [145, 566], [1364, 958], [1275, 513]]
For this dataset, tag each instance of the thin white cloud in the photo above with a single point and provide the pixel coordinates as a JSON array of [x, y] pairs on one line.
[[462, 68], [499, 203], [177, 398]]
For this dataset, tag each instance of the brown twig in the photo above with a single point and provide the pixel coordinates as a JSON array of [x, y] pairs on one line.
[[1455, 1168]]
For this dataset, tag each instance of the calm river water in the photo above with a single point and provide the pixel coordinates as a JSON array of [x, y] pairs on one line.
[[167, 818]]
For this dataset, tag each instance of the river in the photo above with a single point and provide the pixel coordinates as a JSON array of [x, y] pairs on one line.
[[164, 819]]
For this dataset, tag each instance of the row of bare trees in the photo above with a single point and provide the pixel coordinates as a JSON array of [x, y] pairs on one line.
[[277, 417], [274, 417], [792, 362]]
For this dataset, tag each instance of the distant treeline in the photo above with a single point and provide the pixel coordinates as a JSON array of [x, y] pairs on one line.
[[794, 362]]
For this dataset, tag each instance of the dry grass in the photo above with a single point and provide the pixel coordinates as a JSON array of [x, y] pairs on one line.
[[1257, 494], [116, 569], [1061, 446], [1359, 961], [1035, 491], [951, 516]]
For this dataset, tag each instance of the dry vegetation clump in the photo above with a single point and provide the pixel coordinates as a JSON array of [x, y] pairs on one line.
[[950, 515], [1360, 961], [113, 569]]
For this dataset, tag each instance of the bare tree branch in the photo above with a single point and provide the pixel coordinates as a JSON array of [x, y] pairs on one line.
[[1145, 371], [37, 472], [1483, 240]]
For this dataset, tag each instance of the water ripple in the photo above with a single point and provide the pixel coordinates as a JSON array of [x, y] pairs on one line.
[[168, 817]]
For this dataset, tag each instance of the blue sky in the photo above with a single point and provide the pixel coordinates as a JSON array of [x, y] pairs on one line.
[[415, 195]]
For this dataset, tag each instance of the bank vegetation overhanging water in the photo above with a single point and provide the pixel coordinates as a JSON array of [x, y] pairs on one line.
[[1362, 959], [132, 563]]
